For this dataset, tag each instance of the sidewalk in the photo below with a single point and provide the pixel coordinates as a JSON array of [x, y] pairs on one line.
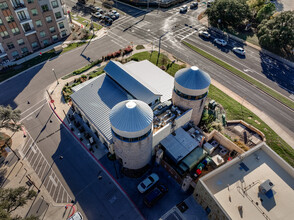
[[19, 173]]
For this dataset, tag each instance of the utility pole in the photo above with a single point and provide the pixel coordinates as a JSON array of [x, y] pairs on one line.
[[55, 76]]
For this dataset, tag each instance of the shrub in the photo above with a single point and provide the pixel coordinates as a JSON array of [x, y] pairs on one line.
[[135, 58], [139, 47], [84, 77], [163, 67], [127, 50]]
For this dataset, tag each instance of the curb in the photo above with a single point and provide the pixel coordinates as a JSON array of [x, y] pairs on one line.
[[106, 171], [246, 80]]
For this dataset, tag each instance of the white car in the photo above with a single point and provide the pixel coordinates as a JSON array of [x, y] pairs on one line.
[[220, 42], [204, 34], [148, 183], [76, 216], [239, 50]]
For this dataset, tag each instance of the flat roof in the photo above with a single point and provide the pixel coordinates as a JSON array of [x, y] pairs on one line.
[[180, 145], [236, 184]]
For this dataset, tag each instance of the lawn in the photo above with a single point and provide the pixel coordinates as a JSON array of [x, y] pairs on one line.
[[7, 73], [244, 76], [85, 21], [72, 46]]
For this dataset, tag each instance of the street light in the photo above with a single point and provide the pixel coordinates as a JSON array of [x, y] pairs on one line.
[[55, 75]]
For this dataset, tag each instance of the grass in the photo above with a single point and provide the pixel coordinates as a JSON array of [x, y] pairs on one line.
[[83, 21], [247, 36], [244, 76], [72, 46], [7, 73], [162, 61], [235, 111], [140, 47]]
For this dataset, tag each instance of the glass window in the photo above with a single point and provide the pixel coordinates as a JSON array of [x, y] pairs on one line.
[[58, 15], [15, 54], [54, 37], [39, 23], [4, 34], [45, 8], [27, 27], [10, 45], [9, 18], [35, 45], [15, 30], [54, 4], [48, 19], [52, 29], [45, 42], [20, 42], [42, 34], [3, 5], [24, 50], [1, 22], [30, 1], [22, 16], [61, 25], [63, 33], [34, 12]]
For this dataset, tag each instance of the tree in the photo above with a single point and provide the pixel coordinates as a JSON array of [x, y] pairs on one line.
[[9, 118], [228, 13], [255, 5], [277, 33], [266, 12]]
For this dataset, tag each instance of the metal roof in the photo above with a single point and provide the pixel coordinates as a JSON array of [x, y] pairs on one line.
[[131, 116], [180, 145], [148, 74], [121, 75], [192, 78], [97, 99]]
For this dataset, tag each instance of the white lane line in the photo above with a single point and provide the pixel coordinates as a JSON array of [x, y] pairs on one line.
[[37, 159], [32, 112], [32, 106], [286, 116], [113, 41]]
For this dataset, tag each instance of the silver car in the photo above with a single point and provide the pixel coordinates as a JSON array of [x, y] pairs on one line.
[[148, 183]]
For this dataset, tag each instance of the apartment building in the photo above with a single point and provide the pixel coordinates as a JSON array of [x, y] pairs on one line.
[[29, 25]]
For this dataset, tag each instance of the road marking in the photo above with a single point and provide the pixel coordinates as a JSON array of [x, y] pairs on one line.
[[32, 106], [32, 112]]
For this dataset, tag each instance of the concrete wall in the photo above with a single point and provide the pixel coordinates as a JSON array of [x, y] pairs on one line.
[[196, 105], [221, 139], [134, 155]]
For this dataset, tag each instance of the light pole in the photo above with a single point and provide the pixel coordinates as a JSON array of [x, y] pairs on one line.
[[55, 75]]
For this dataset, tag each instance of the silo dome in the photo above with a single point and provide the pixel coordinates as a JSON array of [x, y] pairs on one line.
[[191, 80], [131, 118]]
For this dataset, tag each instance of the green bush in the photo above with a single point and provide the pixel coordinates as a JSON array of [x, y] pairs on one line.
[[140, 47]]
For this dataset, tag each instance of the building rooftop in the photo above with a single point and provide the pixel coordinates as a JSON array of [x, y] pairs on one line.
[[179, 145], [237, 185]]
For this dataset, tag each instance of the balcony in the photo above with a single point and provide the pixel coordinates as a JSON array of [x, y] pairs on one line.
[[18, 7], [23, 20], [2, 54], [30, 31]]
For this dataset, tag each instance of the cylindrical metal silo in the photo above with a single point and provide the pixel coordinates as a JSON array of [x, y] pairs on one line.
[[132, 124], [190, 90]]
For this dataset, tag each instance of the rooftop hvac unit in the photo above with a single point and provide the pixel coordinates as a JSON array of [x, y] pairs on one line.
[[266, 186]]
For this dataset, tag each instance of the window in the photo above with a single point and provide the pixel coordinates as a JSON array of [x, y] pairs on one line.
[[22, 16], [52, 29], [4, 34], [54, 37], [42, 34], [17, 4], [1, 22], [54, 4], [15, 54], [10, 45], [39, 23], [45, 8], [61, 25], [34, 12], [15, 30], [30, 1], [63, 33], [20, 42], [35, 45], [27, 27], [45, 42], [9, 18], [24, 50], [58, 15], [3, 5], [48, 19]]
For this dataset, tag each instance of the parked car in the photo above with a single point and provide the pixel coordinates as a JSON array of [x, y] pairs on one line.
[[76, 216], [209, 3], [220, 42], [204, 34], [194, 5], [116, 15], [184, 9], [152, 197], [148, 183], [239, 50]]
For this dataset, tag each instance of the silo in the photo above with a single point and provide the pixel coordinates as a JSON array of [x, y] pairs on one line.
[[132, 123], [190, 91]]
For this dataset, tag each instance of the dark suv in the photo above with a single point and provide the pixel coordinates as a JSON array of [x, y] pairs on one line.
[[152, 197]]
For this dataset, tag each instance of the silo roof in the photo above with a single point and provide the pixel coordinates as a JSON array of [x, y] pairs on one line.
[[131, 116], [193, 78]]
